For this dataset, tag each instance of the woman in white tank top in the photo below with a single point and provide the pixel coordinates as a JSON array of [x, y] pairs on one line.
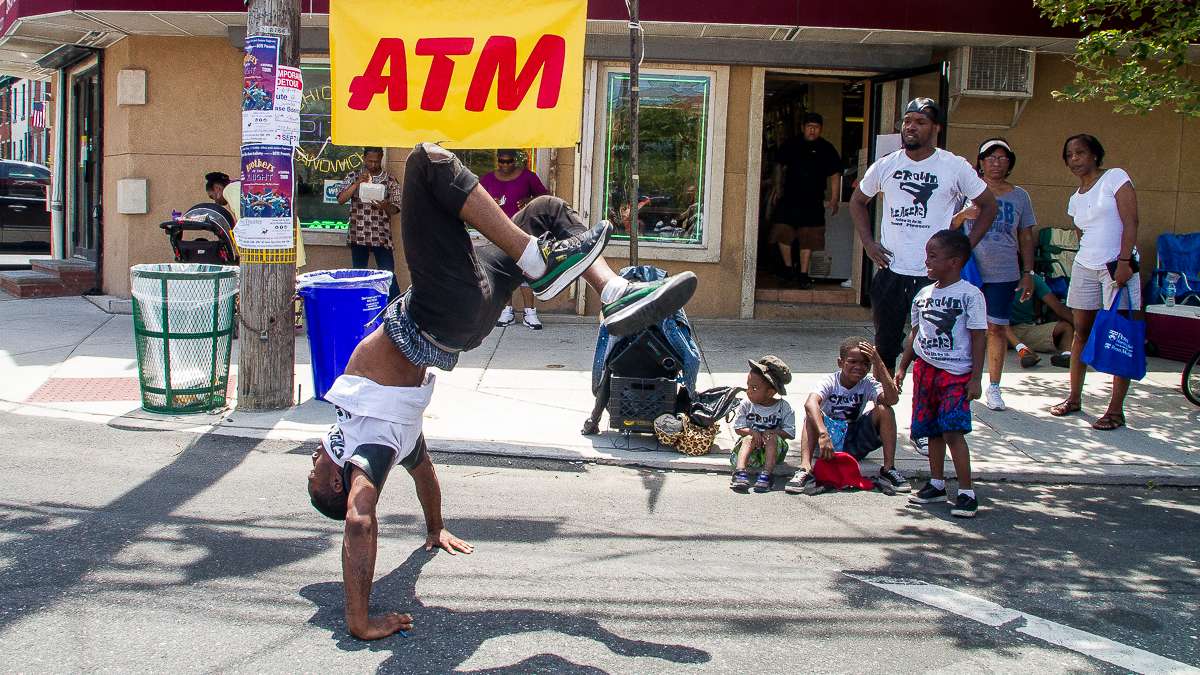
[[1104, 209]]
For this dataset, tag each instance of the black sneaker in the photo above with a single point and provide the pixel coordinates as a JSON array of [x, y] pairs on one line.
[[895, 479], [740, 481], [921, 445], [1061, 360], [799, 482], [569, 258], [645, 303], [804, 281], [928, 495], [964, 506]]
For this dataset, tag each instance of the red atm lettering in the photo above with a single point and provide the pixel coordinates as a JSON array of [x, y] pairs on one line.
[[438, 82], [363, 88], [497, 64]]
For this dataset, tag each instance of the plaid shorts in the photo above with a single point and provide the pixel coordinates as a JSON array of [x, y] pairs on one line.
[[411, 342], [940, 402]]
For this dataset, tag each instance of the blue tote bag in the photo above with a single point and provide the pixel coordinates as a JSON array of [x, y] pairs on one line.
[[1117, 345], [970, 272]]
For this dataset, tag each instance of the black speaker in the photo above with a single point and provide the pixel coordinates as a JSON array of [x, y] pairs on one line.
[[646, 355]]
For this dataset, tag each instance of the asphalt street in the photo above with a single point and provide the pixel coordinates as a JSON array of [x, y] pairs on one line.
[[134, 551]]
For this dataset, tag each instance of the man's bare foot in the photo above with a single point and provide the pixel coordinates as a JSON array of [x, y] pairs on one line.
[[383, 626]]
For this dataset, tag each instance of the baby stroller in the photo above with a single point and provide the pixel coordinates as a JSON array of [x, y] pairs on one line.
[[210, 230]]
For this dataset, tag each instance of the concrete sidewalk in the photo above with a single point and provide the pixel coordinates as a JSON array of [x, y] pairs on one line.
[[527, 393]]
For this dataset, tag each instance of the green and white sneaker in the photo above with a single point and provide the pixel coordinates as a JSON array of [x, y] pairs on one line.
[[645, 303], [568, 258]]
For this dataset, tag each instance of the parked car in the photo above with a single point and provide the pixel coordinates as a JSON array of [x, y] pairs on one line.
[[24, 219]]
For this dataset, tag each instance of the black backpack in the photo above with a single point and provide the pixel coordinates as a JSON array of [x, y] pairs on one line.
[[710, 406]]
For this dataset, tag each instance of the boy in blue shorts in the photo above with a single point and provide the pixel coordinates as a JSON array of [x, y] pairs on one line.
[[946, 343], [851, 411]]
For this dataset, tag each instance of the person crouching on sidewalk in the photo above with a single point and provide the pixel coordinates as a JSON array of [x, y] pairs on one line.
[[836, 416], [947, 341], [764, 423]]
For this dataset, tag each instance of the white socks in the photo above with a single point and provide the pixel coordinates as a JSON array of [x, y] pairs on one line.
[[1020, 347], [969, 493], [613, 289], [532, 264], [938, 483]]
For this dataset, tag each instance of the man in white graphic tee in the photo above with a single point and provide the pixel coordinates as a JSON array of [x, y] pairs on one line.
[[921, 185]]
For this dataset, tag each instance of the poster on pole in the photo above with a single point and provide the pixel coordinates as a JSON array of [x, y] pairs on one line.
[[461, 74], [271, 94], [267, 198]]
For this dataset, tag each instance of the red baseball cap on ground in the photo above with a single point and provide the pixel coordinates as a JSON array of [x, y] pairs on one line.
[[841, 471]]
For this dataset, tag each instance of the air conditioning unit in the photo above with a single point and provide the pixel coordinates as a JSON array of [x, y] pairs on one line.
[[993, 72]]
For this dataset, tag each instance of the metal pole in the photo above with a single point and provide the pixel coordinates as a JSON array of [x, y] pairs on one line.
[[635, 38]]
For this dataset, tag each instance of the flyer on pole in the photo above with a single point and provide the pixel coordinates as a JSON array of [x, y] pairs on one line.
[[271, 94], [267, 198]]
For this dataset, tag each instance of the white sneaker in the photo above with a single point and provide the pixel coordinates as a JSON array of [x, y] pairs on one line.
[[531, 319], [992, 398], [847, 284], [506, 317]]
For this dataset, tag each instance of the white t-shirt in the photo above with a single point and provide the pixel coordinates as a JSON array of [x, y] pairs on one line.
[[764, 417], [840, 403], [919, 199], [943, 319], [1095, 214]]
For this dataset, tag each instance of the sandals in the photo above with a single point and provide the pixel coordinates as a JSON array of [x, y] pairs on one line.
[[1064, 408], [1109, 421]]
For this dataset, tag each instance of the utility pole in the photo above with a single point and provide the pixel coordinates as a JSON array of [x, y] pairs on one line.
[[267, 339], [635, 57]]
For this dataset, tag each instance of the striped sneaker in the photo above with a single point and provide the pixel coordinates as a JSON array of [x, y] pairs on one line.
[[568, 258], [645, 303]]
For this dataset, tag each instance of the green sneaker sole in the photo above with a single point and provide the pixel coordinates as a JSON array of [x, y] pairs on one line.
[[633, 315]]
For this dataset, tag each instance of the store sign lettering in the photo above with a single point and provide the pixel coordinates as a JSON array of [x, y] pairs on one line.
[[496, 64], [461, 74]]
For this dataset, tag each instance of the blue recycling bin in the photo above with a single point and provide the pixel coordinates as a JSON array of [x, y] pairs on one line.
[[341, 307]]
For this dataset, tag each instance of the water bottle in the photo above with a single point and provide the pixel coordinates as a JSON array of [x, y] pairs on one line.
[[1169, 301]]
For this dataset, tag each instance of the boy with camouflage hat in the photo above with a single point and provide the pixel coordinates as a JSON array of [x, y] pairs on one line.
[[764, 422]]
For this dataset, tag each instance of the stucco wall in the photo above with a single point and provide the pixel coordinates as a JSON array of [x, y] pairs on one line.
[[1151, 148], [190, 125]]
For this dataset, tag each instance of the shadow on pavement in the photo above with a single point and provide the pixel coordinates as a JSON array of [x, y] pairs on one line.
[[444, 639], [47, 560], [1126, 569]]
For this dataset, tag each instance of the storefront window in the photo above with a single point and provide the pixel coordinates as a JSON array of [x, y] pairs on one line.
[[673, 148], [321, 165]]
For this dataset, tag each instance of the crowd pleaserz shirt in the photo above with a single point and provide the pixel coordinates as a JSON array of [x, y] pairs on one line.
[[779, 415], [944, 319], [919, 199], [840, 403]]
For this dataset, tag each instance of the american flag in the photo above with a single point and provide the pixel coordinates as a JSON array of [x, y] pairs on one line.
[[37, 118]]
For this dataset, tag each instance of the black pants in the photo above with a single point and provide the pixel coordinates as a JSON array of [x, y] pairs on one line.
[[891, 306], [385, 260], [459, 288]]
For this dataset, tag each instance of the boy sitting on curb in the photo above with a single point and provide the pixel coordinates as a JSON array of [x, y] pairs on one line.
[[764, 423], [836, 416]]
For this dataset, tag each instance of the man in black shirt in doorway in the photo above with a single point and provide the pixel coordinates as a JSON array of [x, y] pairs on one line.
[[805, 167]]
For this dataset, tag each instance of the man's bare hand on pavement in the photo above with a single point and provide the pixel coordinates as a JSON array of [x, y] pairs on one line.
[[444, 540]]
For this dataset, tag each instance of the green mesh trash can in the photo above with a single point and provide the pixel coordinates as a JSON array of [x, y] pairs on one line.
[[183, 327]]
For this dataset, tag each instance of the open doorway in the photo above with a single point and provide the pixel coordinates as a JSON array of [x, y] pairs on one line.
[[801, 220]]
